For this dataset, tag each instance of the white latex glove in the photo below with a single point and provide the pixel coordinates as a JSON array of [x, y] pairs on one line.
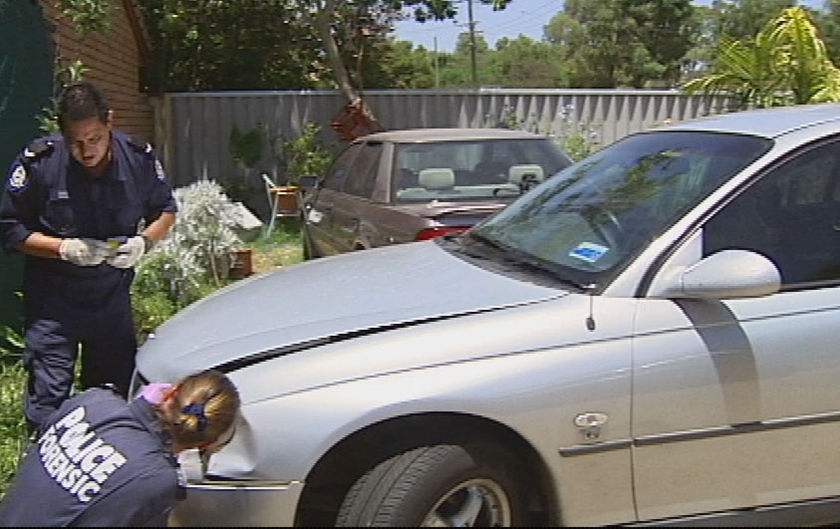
[[83, 252], [128, 253]]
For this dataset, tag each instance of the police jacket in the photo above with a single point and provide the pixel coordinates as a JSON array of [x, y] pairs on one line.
[[48, 191], [98, 462]]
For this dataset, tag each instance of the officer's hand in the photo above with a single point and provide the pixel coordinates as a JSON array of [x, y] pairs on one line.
[[83, 252], [128, 253]]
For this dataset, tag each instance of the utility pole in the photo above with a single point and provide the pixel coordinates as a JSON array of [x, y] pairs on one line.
[[437, 72], [472, 45]]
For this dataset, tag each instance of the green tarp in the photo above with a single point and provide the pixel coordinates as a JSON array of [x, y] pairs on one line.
[[26, 82]]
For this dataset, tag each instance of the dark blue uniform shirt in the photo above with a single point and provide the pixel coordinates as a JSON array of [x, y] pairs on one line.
[[48, 191], [99, 461]]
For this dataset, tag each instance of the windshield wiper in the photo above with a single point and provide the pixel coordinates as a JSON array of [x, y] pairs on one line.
[[496, 245], [520, 259], [462, 243], [545, 267]]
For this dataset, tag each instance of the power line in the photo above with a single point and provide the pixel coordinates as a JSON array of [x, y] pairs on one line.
[[492, 31], [526, 15]]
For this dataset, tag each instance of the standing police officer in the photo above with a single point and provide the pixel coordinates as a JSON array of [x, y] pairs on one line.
[[84, 206]]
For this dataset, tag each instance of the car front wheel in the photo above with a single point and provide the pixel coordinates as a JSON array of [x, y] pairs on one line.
[[436, 486]]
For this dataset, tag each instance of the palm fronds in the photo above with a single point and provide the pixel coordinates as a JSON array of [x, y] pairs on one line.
[[786, 63]]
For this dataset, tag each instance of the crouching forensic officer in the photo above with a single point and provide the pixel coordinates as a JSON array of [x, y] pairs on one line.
[[100, 461], [84, 206]]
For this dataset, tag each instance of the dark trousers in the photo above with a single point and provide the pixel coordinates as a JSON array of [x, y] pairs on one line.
[[64, 315]]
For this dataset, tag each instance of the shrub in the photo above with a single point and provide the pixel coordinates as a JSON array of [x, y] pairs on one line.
[[305, 155], [577, 139], [190, 263]]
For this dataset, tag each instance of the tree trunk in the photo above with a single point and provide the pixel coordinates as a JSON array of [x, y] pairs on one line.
[[322, 24]]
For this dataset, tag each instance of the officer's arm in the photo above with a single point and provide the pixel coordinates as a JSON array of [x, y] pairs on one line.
[[40, 245], [159, 229], [18, 216], [159, 204]]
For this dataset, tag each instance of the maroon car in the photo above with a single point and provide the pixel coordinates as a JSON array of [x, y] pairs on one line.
[[409, 185]]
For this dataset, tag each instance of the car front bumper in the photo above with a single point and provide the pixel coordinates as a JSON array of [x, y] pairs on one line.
[[238, 503]]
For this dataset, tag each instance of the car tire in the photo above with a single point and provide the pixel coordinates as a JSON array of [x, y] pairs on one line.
[[436, 485]]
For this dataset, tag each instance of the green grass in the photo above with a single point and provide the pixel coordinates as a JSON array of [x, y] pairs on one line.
[[12, 423], [282, 248]]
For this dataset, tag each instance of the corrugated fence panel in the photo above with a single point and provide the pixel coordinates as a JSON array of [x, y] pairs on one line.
[[195, 137]]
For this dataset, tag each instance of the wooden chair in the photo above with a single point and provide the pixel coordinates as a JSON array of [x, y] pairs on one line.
[[283, 201]]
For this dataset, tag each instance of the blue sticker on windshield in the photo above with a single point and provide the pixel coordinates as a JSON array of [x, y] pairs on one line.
[[589, 252]]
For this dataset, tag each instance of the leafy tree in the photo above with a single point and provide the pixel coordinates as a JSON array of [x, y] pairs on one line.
[[326, 15], [525, 63], [609, 43], [665, 29], [254, 44], [705, 28], [728, 20], [786, 63], [457, 69], [407, 67], [231, 44], [829, 21], [747, 70], [742, 19]]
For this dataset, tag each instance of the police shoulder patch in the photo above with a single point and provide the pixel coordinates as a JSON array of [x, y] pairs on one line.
[[18, 178]]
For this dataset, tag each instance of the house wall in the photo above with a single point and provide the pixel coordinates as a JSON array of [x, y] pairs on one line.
[[114, 59]]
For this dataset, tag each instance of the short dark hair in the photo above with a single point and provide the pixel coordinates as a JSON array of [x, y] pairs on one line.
[[80, 101]]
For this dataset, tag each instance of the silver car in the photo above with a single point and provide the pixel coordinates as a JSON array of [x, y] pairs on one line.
[[417, 184], [647, 336]]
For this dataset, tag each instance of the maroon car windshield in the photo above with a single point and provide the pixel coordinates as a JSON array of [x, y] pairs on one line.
[[473, 169]]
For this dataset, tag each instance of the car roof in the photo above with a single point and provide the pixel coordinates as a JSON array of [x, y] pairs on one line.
[[447, 134], [768, 123]]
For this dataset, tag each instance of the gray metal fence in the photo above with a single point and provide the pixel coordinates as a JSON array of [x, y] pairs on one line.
[[194, 128]]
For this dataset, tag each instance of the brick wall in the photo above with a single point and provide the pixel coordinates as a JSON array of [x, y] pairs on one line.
[[113, 60]]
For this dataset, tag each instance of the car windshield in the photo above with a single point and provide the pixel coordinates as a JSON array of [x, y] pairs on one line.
[[588, 221], [473, 169]]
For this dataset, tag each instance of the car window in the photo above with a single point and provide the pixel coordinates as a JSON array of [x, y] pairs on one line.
[[587, 222], [792, 216], [340, 167], [362, 178], [473, 169]]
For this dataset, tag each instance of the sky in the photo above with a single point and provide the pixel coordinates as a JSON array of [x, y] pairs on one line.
[[526, 17]]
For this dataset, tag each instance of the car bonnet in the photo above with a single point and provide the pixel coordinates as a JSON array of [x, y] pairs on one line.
[[333, 298]]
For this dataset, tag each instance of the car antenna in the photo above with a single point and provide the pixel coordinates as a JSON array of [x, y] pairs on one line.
[[590, 319]]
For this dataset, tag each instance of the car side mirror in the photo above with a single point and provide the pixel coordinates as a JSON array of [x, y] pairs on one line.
[[308, 182], [723, 275]]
